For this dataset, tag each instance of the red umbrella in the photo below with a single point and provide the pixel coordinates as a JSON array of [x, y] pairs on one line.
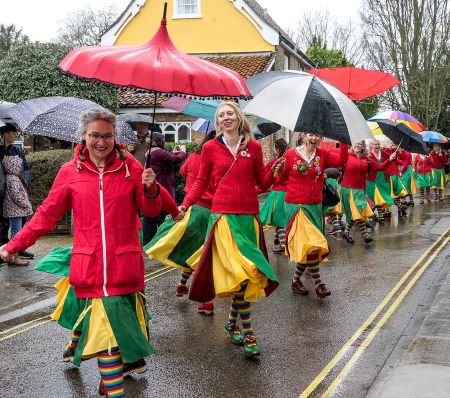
[[357, 83], [156, 66]]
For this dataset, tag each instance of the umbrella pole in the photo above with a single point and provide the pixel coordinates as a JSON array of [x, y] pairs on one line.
[[149, 156]]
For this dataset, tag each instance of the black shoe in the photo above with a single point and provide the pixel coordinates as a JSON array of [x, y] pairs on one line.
[[138, 366], [68, 354], [27, 255]]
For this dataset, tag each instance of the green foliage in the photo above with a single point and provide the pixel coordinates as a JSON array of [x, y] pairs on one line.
[[369, 106], [325, 58], [179, 179], [43, 169], [9, 38], [30, 71]]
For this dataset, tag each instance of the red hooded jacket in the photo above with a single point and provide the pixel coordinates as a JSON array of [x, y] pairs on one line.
[[106, 256]]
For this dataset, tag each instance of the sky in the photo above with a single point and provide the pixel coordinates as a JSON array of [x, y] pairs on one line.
[[286, 13]]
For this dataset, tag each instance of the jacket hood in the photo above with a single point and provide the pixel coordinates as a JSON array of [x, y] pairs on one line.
[[12, 165]]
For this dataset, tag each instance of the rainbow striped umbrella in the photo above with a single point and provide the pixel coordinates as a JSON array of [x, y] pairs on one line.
[[433, 136], [400, 117]]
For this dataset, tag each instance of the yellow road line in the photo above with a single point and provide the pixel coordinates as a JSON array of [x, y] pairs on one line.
[[160, 274], [157, 271], [24, 330], [329, 367], [365, 344], [22, 324]]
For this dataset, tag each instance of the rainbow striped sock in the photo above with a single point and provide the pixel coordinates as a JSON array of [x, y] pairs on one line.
[[244, 314], [299, 271], [234, 312], [111, 372], [185, 275], [281, 234], [75, 338], [314, 271]]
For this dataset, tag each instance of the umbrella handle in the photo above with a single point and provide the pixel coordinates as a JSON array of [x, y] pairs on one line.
[[398, 147], [149, 156]]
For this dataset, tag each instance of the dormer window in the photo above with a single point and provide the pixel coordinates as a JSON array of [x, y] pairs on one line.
[[187, 9]]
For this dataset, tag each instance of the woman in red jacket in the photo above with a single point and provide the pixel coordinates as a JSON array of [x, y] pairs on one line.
[[422, 169], [177, 244], [272, 212], [398, 190], [306, 243], [438, 160], [234, 262], [353, 191], [105, 189], [408, 177]]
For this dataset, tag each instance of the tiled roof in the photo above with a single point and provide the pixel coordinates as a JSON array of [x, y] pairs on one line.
[[246, 65]]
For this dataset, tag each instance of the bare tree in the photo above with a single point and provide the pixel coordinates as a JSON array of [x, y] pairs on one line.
[[85, 27], [318, 28], [410, 39]]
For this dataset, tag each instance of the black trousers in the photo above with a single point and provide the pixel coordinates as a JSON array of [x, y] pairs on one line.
[[150, 226]]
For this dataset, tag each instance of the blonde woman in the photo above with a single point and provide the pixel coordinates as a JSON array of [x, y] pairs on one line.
[[234, 262]]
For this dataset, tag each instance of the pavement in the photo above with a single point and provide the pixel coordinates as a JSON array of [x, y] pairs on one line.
[[419, 365]]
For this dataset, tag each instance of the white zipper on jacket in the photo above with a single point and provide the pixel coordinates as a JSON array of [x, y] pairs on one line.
[[102, 223]]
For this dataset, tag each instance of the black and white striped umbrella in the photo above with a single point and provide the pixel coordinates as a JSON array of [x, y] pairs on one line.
[[301, 102], [57, 117]]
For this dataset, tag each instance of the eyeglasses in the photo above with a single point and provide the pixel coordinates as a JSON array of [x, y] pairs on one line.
[[98, 137]]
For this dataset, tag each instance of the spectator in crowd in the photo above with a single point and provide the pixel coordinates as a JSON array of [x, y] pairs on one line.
[[7, 148], [163, 163]]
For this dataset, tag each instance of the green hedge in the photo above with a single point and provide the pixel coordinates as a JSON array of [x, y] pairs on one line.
[[43, 169]]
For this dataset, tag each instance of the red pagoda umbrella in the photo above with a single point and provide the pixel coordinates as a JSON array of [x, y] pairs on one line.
[[357, 83], [156, 66]]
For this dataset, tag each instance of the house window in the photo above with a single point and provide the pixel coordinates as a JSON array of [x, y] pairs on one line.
[[176, 131], [286, 62], [186, 9]]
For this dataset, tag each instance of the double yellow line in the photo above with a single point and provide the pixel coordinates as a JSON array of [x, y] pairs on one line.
[[370, 328], [26, 326]]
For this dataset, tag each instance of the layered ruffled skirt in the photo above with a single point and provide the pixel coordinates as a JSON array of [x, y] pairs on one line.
[[234, 252], [330, 210], [438, 178], [104, 322], [398, 190], [408, 180], [423, 180], [272, 211], [305, 232], [379, 191], [176, 242], [355, 204]]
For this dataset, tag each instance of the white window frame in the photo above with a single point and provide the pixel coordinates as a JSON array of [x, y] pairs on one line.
[[176, 126], [176, 15], [286, 61]]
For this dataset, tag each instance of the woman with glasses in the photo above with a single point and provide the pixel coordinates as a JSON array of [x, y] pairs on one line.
[[105, 188]]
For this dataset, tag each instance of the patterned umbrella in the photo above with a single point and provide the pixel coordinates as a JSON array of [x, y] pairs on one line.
[[58, 117], [434, 137], [400, 117]]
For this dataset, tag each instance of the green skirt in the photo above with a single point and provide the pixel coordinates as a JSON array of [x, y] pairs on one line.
[[234, 253], [398, 190], [355, 204], [379, 191], [408, 181], [438, 178], [175, 242], [272, 211], [331, 210], [423, 180], [113, 321]]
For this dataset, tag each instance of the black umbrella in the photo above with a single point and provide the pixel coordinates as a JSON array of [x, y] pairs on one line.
[[403, 136], [58, 117], [4, 108], [132, 118]]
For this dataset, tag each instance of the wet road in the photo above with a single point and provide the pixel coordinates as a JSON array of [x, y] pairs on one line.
[[298, 336]]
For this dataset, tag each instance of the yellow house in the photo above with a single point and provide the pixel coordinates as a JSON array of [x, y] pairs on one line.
[[238, 34]]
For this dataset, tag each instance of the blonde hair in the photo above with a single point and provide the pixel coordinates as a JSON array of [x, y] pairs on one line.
[[243, 124]]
